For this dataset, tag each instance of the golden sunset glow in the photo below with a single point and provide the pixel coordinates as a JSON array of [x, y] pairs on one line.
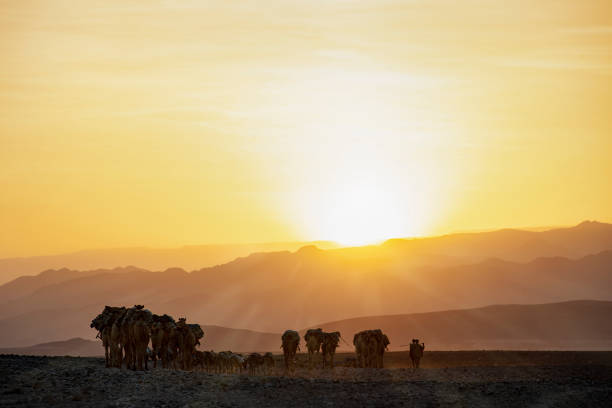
[[192, 122]]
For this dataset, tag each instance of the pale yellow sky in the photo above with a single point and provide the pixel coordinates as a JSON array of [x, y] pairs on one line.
[[164, 123]]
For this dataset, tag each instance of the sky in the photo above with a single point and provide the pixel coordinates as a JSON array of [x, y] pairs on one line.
[[166, 123]]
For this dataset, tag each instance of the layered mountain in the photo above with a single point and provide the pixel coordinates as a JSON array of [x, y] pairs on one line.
[[155, 259], [514, 245], [586, 238], [272, 292]]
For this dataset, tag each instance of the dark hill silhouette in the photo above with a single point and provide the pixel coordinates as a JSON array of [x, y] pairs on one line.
[[575, 325], [274, 291]]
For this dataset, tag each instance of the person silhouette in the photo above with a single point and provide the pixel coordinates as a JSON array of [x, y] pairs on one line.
[[416, 352]]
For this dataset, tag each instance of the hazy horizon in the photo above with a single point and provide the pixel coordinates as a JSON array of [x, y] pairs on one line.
[[331, 244]]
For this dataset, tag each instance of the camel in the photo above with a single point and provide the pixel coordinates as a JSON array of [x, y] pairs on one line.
[[290, 345], [140, 334], [254, 363], [103, 323], [374, 338], [314, 339], [237, 363], [205, 360], [199, 360], [157, 335], [268, 362], [124, 324], [370, 346], [210, 361], [140, 338], [224, 363], [382, 347], [330, 343], [188, 336], [133, 334], [361, 349], [416, 352], [167, 325], [116, 353], [173, 345]]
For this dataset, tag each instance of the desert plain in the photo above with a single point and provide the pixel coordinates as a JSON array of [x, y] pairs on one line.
[[445, 379]]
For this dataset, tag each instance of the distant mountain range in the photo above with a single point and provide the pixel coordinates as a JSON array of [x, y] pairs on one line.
[[277, 291], [576, 325], [273, 291], [587, 238], [155, 259]]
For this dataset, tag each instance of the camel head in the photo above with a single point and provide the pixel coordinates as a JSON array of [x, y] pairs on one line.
[[98, 322], [386, 341]]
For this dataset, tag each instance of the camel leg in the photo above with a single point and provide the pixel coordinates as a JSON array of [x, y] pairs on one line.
[[123, 357], [286, 362]]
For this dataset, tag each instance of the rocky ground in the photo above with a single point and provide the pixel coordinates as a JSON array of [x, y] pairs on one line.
[[457, 379]]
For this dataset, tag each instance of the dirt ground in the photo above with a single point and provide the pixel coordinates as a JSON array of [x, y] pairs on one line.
[[445, 379]]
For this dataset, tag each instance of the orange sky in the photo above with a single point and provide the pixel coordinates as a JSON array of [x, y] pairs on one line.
[[201, 122]]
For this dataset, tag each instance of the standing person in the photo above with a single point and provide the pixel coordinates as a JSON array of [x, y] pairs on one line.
[[416, 352]]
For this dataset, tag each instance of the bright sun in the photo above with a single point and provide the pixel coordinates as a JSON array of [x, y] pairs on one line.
[[360, 213], [362, 209]]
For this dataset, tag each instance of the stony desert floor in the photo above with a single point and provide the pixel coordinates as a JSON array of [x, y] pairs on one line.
[[454, 379]]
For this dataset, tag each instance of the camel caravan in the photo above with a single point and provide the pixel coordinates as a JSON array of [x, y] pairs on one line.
[[126, 334]]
